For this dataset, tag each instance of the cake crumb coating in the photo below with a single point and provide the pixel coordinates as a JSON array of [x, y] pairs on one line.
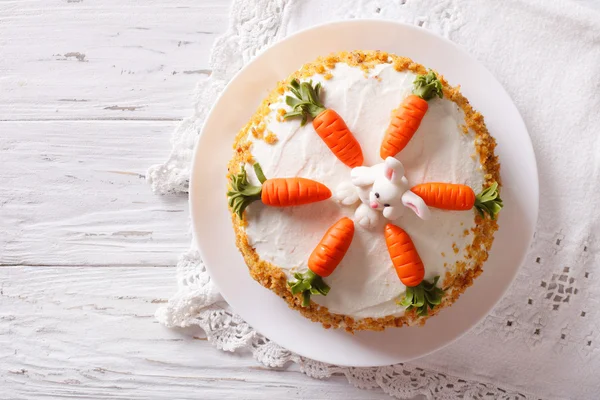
[[455, 281]]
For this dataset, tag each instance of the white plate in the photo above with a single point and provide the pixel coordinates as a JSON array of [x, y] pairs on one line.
[[270, 315]]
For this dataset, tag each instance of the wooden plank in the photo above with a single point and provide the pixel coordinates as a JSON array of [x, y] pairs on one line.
[[74, 193], [89, 333], [113, 59]]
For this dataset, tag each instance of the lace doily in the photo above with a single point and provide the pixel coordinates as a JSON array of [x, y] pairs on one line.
[[544, 336]]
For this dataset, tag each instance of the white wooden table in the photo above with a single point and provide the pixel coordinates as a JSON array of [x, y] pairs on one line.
[[90, 92]]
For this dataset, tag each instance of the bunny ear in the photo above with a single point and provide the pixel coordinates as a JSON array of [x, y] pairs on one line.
[[415, 203], [389, 173], [393, 169]]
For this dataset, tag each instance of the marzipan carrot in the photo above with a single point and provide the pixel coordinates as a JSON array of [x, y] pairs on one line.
[[332, 248], [451, 196], [447, 196], [406, 260], [285, 192], [407, 118], [328, 124], [324, 260], [420, 294], [277, 192]]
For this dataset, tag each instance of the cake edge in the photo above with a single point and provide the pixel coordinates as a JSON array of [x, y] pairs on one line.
[[454, 283]]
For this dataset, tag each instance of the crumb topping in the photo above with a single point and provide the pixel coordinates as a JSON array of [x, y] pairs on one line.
[[457, 278], [270, 138]]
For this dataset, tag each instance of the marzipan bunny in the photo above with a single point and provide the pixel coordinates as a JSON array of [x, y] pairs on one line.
[[383, 190]]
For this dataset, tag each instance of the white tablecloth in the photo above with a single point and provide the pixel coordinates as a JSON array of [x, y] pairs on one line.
[[543, 339]]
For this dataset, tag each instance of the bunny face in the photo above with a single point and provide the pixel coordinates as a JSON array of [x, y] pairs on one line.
[[388, 188], [385, 193]]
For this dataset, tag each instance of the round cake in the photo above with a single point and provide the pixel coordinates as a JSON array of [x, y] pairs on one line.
[[364, 191]]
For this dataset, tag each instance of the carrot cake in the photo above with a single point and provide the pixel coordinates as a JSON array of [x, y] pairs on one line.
[[365, 191]]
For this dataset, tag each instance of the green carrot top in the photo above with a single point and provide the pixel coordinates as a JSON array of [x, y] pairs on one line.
[[427, 86], [489, 201], [305, 101]]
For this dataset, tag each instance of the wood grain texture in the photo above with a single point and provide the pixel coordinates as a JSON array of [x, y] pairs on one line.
[[109, 59], [74, 193], [89, 333]]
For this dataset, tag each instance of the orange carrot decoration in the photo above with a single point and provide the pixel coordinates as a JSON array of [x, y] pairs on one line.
[[278, 192], [323, 261], [450, 196], [405, 258], [327, 123], [407, 118], [332, 248], [285, 192], [420, 294]]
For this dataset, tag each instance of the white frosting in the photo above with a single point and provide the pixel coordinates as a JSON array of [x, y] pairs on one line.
[[365, 283]]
